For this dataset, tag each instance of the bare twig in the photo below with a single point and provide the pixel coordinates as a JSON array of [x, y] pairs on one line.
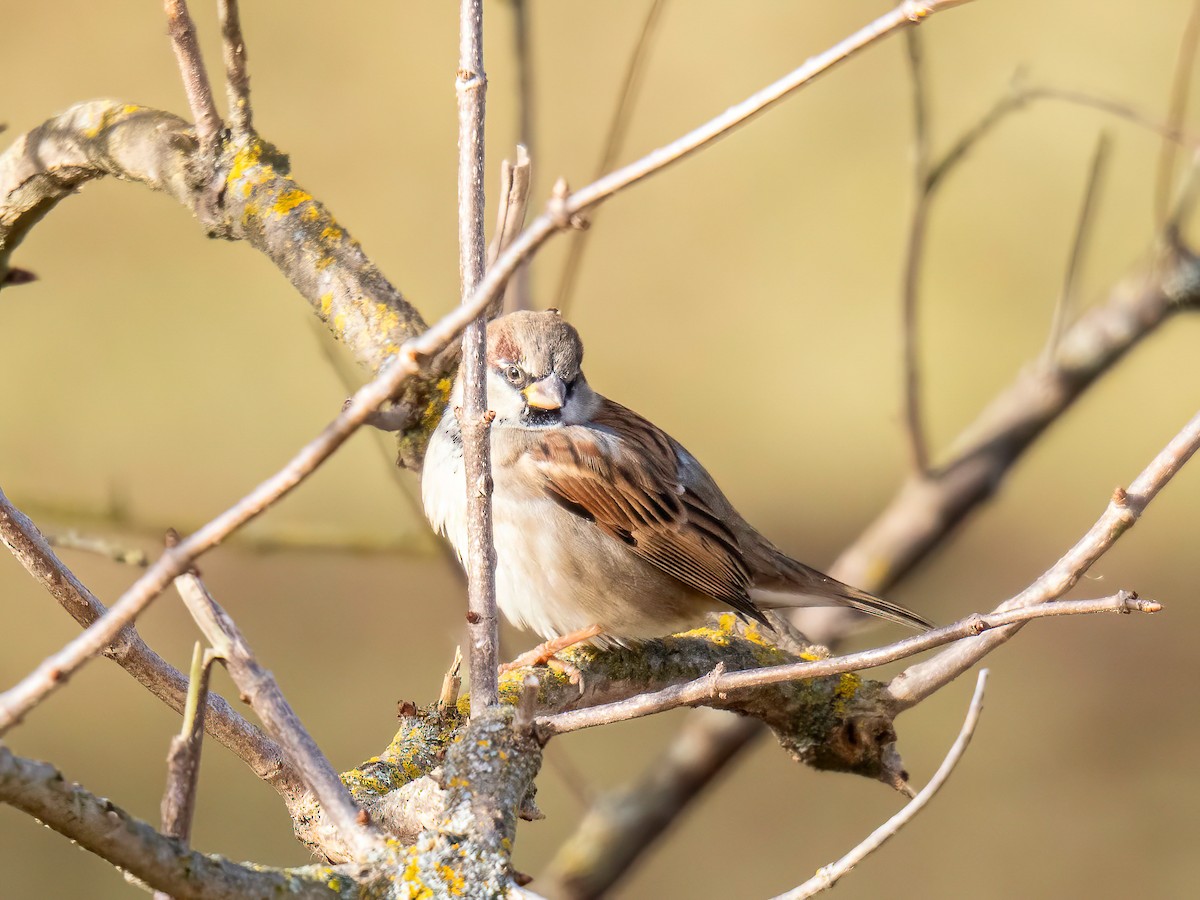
[[195, 79], [828, 876], [1164, 175], [1126, 507], [183, 758], [515, 183], [350, 838], [73, 540], [518, 294], [237, 81], [910, 291], [726, 682], [618, 128], [129, 651], [523, 717], [452, 682], [474, 418], [1065, 305]]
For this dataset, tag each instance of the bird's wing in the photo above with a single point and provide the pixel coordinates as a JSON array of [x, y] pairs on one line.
[[623, 475]]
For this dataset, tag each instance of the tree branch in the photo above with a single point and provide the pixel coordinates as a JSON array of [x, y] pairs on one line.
[[128, 650], [195, 79], [165, 863], [337, 832], [716, 683], [475, 421], [1126, 507], [237, 81], [828, 876]]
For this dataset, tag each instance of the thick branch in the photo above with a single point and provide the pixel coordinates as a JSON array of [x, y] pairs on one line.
[[164, 863], [717, 683], [259, 203]]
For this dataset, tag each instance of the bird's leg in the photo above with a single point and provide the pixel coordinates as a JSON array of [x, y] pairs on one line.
[[546, 653]]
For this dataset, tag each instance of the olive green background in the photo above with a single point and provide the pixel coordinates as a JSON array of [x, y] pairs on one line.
[[746, 300]]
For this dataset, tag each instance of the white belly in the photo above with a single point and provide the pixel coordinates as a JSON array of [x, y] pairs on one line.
[[555, 572]]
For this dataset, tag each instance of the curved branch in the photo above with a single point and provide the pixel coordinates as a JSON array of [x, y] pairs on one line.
[[256, 202]]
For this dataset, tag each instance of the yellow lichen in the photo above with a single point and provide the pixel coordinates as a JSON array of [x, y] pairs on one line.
[[289, 200], [326, 304], [455, 883], [847, 688]]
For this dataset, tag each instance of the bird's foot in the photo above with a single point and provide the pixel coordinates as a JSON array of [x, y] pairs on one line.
[[547, 654]]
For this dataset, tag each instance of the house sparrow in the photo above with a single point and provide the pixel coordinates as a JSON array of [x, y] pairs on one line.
[[600, 518]]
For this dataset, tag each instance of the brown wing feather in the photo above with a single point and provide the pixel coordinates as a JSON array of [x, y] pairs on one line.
[[630, 489]]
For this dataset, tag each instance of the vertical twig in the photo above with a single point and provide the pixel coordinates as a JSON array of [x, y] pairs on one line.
[[1065, 304], [237, 81], [1180, 82], [474, 418], [518, 295], [618, 127], [195, 79], [913, 415], [260, 690], [183, 759]]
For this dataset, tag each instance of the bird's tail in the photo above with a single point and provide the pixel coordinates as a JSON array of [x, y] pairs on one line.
[[796, 584]]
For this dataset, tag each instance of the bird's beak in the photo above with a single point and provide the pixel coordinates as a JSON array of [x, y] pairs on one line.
[[549, 393]]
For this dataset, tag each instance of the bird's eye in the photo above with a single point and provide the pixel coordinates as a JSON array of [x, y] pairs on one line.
[[514, 374]]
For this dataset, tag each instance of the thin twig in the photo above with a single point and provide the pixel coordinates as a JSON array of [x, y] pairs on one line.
[[701, 689], [260, 690], [237, 81], [515, 183], [527, 705], [1065, 305], [73, 540], [518, 294], [1185, 59], [910, 290], [919, 681], [618, 128], [828, 876], [183, 758], [195, 79], [452, 682], [474, 418]]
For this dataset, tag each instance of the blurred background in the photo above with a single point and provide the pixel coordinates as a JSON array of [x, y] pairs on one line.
[[747, 301]]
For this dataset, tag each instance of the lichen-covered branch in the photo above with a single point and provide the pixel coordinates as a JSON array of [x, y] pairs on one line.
[[165, 863], [256, 201]]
